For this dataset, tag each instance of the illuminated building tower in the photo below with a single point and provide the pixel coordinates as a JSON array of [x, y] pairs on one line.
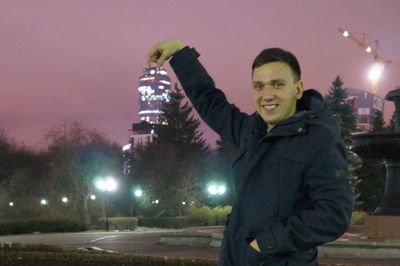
[[154, 89], [365, 104]]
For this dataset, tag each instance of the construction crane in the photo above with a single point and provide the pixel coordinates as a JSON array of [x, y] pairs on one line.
[[380, 62]]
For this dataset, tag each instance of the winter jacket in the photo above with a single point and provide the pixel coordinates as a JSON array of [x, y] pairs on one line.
[[291, 183]]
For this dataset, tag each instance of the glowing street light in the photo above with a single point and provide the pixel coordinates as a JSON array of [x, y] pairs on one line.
[[44, 202], [346, 33], [93, 197], [64, 199], [368, 49], [376, 71], [107, 184], [138, 193], [11, 204]]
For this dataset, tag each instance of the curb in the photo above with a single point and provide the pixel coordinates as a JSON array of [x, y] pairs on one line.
[[332, 250]]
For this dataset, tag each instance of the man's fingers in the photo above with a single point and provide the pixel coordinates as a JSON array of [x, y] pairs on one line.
[[153, 55], [162, 59]]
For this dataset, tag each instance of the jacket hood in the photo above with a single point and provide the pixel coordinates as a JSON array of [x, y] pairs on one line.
[[316, 111]]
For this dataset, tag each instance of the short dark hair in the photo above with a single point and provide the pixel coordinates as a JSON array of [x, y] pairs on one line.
[[278, 55]]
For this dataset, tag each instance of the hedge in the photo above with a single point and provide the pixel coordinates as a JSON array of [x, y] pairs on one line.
[[119, 223], [41, 225], [165, 222]]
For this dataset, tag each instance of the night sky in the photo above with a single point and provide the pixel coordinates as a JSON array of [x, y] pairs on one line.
[[80, 60]]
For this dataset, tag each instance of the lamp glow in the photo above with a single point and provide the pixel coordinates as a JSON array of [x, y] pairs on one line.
[[346, 33], [376, 71], [64, 199], [138, 193]]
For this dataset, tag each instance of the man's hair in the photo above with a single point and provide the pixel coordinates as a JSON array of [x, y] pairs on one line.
[[278, 55]]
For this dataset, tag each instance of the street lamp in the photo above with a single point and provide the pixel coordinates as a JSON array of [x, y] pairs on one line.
[[11, 204], [64, 199], [216, 190], [107, 184], [43, 202], [138, 193], [93, 197]]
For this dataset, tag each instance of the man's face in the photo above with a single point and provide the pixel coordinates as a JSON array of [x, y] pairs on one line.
[[275, 92]]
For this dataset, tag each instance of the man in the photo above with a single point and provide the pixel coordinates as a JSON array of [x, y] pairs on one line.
[[291, 183]]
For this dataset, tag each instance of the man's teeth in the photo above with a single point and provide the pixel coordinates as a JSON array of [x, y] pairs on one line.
[[270, 106]]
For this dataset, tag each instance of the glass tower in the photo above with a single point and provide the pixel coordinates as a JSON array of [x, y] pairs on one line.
[[154, 89]]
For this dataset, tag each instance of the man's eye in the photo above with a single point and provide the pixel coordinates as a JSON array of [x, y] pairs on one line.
[[257, 86], [279, 85]]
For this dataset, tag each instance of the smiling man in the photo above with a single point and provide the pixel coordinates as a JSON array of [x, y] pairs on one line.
[[290, 176]]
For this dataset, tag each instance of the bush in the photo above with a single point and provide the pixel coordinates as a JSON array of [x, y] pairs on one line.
[[358, 217], [164, 222], [119, 223], [41, 225], [204, 216], [201, 216], [221, 213]]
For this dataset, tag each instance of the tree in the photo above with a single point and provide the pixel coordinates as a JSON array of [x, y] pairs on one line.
[[77, 155], [390, 127], [169, 169], [379, 124], [220, 164], [343, 112]]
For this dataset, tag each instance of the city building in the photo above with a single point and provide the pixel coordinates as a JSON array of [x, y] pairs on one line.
[[365, 104], [154, 88], [154, 91]]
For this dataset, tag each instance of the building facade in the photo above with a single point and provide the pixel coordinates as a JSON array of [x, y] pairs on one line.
[[154, 91], [365, 104]]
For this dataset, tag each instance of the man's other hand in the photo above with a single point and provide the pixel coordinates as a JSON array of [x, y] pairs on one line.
[[163, 51], [254, 245]]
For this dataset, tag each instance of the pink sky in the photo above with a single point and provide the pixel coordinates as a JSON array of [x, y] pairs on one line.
[[80, 60]]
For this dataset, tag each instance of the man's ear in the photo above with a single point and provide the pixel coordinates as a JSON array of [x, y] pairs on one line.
[[299, 89]]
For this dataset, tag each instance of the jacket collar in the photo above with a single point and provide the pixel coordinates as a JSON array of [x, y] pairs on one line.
[[309, 107]]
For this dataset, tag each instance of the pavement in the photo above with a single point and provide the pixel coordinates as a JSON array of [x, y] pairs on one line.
[[146, 241]]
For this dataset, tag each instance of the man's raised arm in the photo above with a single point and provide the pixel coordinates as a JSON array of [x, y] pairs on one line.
[[211, 104]]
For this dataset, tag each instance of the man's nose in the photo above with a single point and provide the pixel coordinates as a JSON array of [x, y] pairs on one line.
[[268, 96]]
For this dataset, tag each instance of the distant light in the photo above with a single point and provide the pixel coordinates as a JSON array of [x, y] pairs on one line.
[[11, 204], [111, 184], [346, 33], [93, 197], [221, 189], [368, 49], [156, 201], [64, 199], [43, 202], [152, 72], [138, 193], [126, 147], [376, 71], [212, 189], [183, 203]]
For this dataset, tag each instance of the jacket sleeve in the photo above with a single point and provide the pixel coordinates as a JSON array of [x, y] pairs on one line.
[[326, 179], [211, 104]]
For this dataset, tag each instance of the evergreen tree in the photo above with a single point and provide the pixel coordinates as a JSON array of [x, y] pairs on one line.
[[390, 127], [170, 168], [378, 124], [343, 112]]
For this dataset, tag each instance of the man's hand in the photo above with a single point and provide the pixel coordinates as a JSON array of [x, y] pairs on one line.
[[254, 245], [163, 51]]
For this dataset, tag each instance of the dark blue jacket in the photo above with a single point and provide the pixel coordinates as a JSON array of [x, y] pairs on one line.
[[291, 184]]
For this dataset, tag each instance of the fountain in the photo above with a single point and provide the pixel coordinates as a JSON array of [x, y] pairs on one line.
[[384, 146]]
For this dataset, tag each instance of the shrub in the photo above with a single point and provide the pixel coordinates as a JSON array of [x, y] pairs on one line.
[[119, 223], [201, 216], [164, 222], [221, 213], [41, 225], [358, 217]]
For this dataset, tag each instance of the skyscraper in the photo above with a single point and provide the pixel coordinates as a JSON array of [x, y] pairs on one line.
[[154, 88], [154, 91]]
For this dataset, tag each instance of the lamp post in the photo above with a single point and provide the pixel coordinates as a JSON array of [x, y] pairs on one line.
[[216, 190], [106, 184]]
